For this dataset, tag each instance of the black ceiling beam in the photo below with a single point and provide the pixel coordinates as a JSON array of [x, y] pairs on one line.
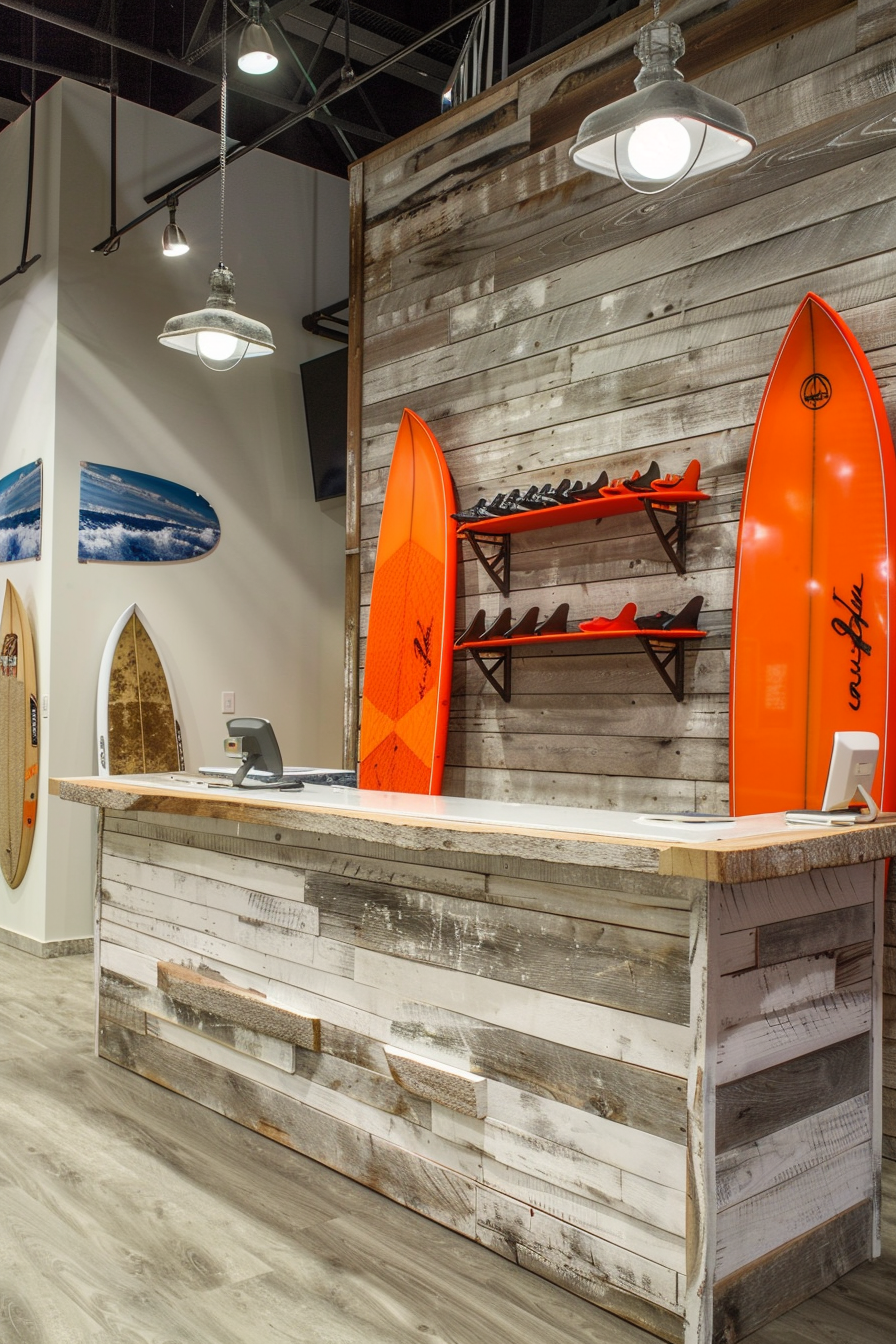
[[194, 50], [307, 111], [366, 47], [25, 63], [201, 26], [305, 80], [147, 53], [199, 105]]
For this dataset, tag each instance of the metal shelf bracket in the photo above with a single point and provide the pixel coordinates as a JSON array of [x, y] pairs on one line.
[[661, 654], [497, 563], [497, 673], [673, 540]]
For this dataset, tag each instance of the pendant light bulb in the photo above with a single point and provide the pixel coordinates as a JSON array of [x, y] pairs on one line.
[[216, 347], [256, 52], [174, 240], [659, 148]]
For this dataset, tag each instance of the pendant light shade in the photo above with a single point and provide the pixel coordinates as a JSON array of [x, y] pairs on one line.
[[256, 52], [666, 131], [218, 334]]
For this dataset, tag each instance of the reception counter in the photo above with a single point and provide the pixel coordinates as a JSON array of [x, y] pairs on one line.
[[638, 1057]]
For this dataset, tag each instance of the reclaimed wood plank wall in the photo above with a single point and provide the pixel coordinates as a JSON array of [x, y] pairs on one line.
[[797, 1133], [501, 1045], [550, 323], [888, 1044]]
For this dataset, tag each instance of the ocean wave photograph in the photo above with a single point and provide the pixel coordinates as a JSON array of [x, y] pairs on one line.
[[20, 513], [127, 517]]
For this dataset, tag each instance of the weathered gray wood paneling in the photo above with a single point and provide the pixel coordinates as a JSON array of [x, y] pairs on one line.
[[547, 322], [601, 1079], [889, 1005]]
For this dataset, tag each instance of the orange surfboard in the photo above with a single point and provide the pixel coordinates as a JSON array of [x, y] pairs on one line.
[[407, 674], [814, 579]]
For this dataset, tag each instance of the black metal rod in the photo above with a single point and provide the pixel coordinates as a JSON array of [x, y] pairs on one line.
[[25, 263], [288, 122], [113, 164], [31, 129]]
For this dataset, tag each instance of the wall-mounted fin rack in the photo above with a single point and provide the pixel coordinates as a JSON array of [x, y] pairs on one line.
[[494, 657], [496, 532]]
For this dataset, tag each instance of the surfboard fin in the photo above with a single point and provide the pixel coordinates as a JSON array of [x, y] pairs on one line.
[[624, 621], [525, 625], [475, 630], [555, 624]]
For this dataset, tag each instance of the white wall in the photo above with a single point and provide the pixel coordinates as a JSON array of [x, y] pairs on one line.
[[28, 306], [262, 615]]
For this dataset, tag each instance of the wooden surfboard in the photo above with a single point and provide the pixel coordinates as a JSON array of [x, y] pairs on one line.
[[18, 738], [138, 728], [407, 675], [814, 577]]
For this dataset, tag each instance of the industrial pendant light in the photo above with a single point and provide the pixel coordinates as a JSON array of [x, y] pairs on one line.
[[666, 131], [256, 53], [217, 333], [174, 240]]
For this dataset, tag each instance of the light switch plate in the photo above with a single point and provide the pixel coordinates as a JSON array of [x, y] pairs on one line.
[[228, 702]]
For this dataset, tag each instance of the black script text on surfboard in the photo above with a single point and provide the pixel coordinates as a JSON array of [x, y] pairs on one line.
[[853, 628]]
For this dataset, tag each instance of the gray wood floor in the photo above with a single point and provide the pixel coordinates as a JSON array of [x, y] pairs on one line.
[[131, 1216]]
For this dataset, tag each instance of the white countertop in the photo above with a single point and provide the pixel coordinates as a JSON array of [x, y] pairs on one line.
[[480, 811]]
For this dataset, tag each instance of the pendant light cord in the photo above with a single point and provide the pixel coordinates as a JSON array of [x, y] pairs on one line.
[[223, 146]]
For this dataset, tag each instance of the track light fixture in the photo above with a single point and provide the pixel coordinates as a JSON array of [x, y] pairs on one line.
[[174, 240], [217, 333], [256, 52], [668, 130]]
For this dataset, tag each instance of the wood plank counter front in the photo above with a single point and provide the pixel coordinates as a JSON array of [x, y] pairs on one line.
[[647, 1070]]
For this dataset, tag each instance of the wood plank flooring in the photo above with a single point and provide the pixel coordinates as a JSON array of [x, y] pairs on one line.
[[131, 1216]]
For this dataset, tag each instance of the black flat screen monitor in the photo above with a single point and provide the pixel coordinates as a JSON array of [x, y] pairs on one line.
[[325, 388]]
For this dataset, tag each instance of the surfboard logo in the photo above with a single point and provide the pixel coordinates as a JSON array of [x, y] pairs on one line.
[[853, 629], [9, 658], [34, 720], [423, 653], [816, 391], [102, 752]]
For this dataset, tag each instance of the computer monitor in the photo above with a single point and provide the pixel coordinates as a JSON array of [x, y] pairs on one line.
[[851, 771], [254, 741]]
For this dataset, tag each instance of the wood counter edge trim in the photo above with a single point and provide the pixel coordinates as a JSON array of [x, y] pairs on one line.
[[749, 860], [569, 846], [351, 688]]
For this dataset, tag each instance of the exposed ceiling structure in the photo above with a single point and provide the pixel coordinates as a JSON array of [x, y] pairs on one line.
[[165, 54]]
